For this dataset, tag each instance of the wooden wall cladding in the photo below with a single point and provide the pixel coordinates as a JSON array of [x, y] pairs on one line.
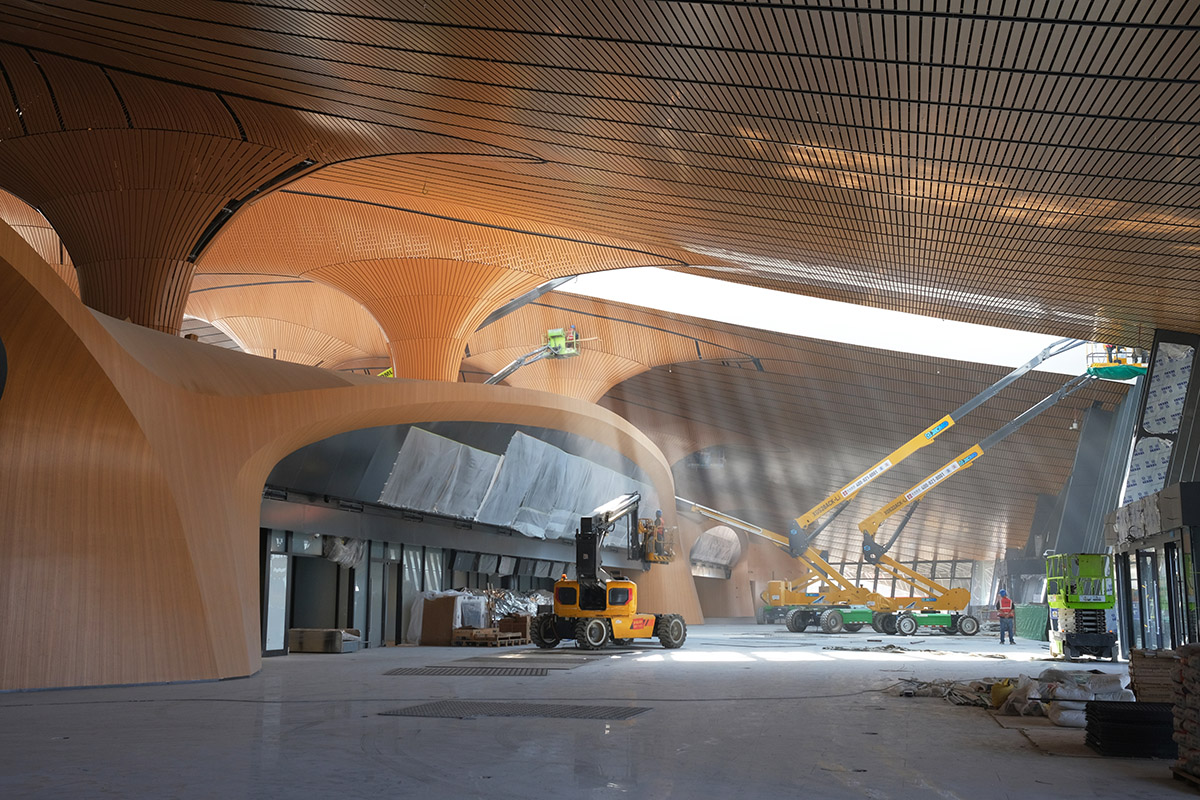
[[133, 473], [290, 319]]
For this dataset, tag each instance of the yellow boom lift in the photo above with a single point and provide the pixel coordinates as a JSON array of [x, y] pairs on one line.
[[795, 604], [808, 526], [906, 620], [837, 604], [596, 608]]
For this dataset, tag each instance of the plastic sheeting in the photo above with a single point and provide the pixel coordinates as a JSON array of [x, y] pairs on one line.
[[435, 474], [343, 551], [719, 545], [534, 488], [542, 491]]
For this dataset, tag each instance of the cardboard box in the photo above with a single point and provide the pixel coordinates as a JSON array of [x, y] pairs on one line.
[[437, 621]]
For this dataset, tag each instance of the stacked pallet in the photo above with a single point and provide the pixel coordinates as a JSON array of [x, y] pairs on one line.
[[1151, 674], [1139, 730], [1187, 712], [493, 637]]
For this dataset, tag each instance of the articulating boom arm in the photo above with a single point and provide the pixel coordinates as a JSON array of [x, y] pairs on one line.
[[847, 492], [592, 530], [873, 551], [514, 365]]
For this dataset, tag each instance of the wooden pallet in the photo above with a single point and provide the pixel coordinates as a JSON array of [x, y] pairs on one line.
[[490, 640], [1186, 777]]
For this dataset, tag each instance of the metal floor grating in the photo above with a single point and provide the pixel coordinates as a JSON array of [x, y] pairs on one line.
[[487, 672], [460, 709]]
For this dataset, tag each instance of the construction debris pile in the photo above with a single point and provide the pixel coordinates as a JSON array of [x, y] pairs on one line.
[[960, 693], [1186, 699], [1061, 696]]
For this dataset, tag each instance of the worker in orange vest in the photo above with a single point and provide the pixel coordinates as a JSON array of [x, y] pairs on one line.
[[1008, 616]]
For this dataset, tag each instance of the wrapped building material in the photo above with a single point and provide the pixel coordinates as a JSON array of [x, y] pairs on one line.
[[435, 474], [1185, 707], [535, 488], [1152, 673]]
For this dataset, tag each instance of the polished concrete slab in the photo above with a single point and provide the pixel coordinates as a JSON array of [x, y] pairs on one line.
[[741, 710]]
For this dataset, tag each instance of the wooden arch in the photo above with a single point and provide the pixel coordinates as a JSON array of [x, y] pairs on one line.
[[135, 468]]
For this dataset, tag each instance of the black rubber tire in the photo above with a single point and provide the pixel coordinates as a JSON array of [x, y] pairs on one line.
[[760, 615], [888, 623], [854, 627], [875, 621], [591, 634], [544, 631], [952, 628], [672, 631], [831, 621], [796, 620], [968, 625], [906, 625]]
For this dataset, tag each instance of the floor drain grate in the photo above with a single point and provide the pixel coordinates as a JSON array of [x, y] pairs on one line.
[[487, 672], [458, 709]]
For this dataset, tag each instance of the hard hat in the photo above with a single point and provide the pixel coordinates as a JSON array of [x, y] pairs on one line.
[[1003, 593], [658, 513]]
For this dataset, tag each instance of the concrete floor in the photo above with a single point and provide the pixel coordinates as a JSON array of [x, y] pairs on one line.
[[740, 711]]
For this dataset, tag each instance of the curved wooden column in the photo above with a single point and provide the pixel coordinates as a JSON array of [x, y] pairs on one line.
[[131, 204], [427, 307], [429, 273]]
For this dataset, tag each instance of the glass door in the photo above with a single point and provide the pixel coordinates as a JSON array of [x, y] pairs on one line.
[[1148, 595]]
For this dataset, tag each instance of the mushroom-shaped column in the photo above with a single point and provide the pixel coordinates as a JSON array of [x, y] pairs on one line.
[[429, 273], [290, 319], [129, 171]]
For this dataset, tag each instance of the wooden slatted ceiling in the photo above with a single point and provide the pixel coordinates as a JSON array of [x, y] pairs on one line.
[[1030, 166], [131, 170], [206, 333], [288, 319]]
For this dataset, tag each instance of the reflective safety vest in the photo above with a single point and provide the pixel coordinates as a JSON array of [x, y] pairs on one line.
[[1006, 608]]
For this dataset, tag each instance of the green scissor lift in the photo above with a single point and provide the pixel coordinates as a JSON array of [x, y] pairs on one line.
[[1079, 590]]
